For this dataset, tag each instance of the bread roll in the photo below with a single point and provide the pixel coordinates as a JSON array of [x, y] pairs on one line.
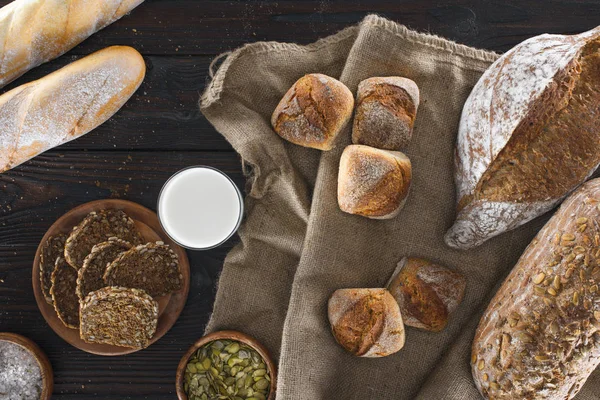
[[426, 292], [366, 322], [373, 183], [386, 109], [313, 112], [529, 134], [35, 31], [67, 103], [540, 335]]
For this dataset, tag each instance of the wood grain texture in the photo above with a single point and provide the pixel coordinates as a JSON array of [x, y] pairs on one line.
[[160, 130]]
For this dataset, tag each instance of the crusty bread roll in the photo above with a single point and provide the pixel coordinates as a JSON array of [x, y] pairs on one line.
[[373, 183], [540, 335], [67, 103], [426, 292], [35, 31], [529, 134], [313, 111], [386, 108], [366, 322]]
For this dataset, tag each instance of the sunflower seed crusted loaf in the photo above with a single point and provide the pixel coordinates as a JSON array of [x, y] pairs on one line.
[[90, 276], [118, 316], [53, 248], [153, 267], [540, 335], [64, 298], [96, 228]]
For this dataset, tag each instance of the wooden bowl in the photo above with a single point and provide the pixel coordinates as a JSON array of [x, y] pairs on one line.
[[40, 357], [146, 221], [224, 335]]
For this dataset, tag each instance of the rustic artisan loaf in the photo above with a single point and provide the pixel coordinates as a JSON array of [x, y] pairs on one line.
[[426, 292], [366, 322], [313, 111], [373, 183], [118, 316], [67, 103], [35, 31], [386, 108], [529, 134], [540, 335]]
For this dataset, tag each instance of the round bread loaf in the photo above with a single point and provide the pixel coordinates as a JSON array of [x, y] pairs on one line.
[[386, 109], [313, 111], [373, 183], [426, 292], [366, 322]]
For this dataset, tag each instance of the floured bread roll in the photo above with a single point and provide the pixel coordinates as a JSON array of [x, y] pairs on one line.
[[366, 322], [386, 108], [373, 183], [314, 111]]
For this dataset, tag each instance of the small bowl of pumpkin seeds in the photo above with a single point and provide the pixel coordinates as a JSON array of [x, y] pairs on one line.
[[226, 365]]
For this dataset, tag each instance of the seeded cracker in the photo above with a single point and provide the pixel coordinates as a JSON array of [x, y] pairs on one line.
[[96, 228], [64, 298], [53, 248], [153, 267], [119, 316], [89, 277]]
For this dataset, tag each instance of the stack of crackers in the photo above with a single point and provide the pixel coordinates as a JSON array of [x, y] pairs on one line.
[[102, 279]]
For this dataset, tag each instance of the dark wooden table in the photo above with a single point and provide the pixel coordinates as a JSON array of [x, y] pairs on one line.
[[160, 130]]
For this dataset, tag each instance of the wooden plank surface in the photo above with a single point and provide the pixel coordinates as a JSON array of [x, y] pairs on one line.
[[161, 130]]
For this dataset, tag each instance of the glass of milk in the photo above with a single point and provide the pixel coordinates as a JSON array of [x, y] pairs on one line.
[[200, 207]]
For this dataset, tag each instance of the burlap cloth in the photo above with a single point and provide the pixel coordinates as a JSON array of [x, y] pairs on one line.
[[297, 247]]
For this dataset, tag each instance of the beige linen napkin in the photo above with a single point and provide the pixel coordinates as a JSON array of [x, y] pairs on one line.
[[297, 247]]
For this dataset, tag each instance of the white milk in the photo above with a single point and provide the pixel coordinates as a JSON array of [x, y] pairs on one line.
[[199, 207]]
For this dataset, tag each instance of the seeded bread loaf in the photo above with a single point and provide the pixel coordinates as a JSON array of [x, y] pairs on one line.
[[91, 276], [540, 335], [98, 227], [373, 183], [152, 267], [64, 298], [118, 316], [313, 112], [386, 109], [426, 292], [366, 322], [529, 134]]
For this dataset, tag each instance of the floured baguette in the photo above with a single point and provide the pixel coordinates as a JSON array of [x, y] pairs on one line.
[[33, 32], [529, 134], [67, 103]]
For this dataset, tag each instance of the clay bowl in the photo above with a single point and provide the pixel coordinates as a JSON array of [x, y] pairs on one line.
[[224, 335], [146, 221], [39, 355]]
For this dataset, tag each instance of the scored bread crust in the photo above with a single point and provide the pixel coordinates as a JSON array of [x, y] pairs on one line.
[[90, 276], [53, 249], [386, 108], [366, 322], [153, 267], [97, 227], [64, 298], [33, 32], [313, 111], [118, 316], [522, 128], [373, 183], [540, 335], [66, 104]]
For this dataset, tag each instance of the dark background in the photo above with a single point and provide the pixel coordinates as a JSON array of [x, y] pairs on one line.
[[160, 130]]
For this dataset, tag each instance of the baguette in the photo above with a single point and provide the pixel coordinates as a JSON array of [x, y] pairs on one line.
[[529, 135], [66, 104], [33, 32], [540, 335]]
